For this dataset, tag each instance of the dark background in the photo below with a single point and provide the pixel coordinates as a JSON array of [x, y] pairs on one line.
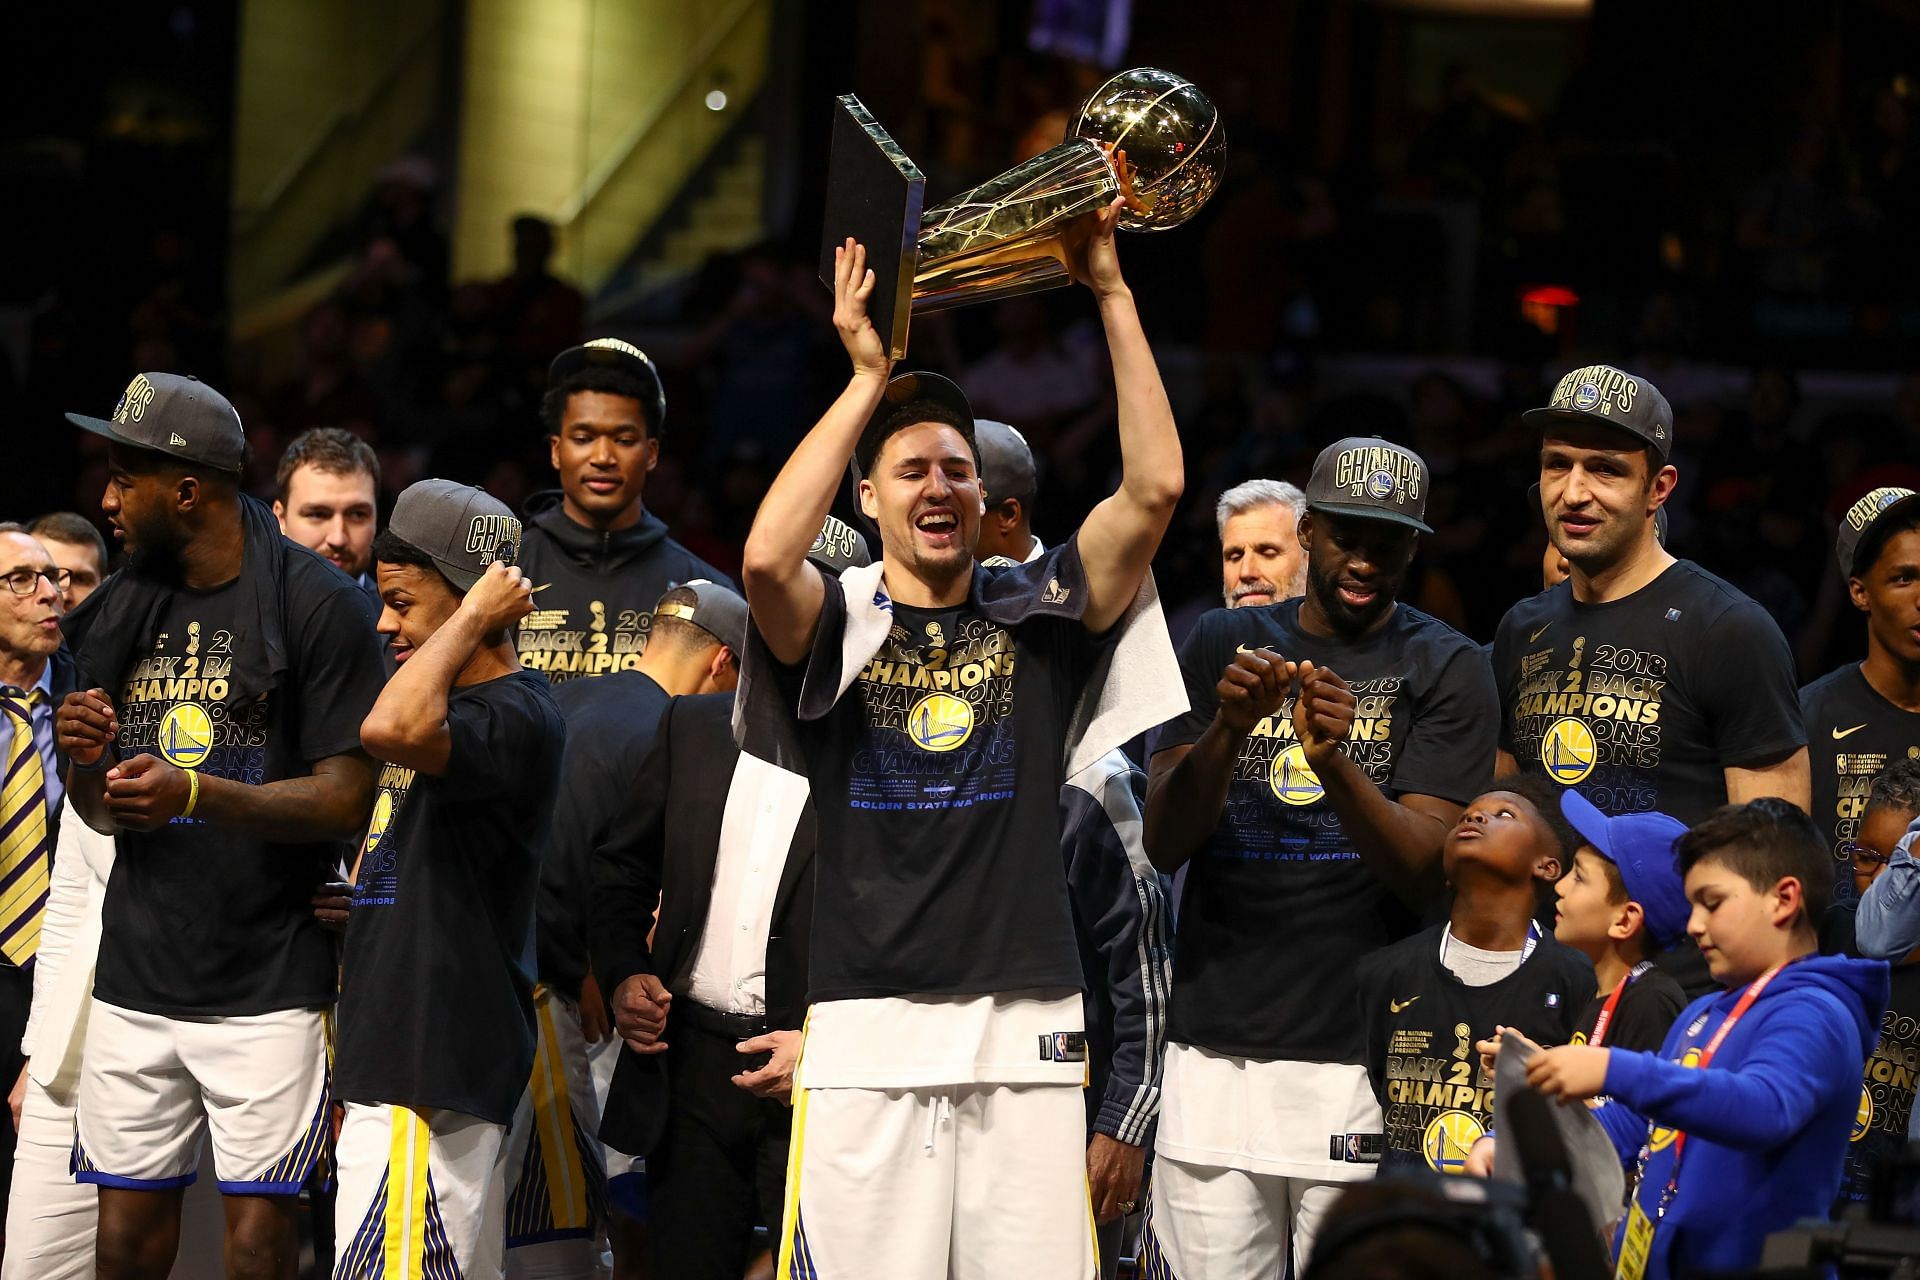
[[1728, 190]]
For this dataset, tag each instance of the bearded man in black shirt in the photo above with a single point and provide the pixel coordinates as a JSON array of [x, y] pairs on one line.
[[223, 677], [1308, 790]]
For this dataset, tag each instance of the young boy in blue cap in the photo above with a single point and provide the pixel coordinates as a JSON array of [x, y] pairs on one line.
[[1621, 904], [1739, 1125]]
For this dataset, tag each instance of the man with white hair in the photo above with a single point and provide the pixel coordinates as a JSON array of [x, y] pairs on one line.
[[1260, 557]]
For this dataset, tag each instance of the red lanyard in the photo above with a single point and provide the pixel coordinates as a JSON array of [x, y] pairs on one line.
[[1740, 1007], [1600, 1024]]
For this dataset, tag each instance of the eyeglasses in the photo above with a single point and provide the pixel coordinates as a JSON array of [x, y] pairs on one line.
[[1861, 856], [24, 582]]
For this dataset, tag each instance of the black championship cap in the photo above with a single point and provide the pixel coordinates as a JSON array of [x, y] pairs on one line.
[[1006, 463], [717, 611], [1857, 527], [463, 529], [175, 415], [1613, 398], [905, 387], [838, 547], [612, 353], [1370, 479]]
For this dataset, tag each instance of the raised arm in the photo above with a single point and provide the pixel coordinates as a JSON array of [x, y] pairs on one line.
[[1120, 535], [408, 724], [783, 588]]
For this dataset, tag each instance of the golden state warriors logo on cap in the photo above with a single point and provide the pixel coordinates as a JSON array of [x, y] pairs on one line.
[[493, 537], [1380, 484], [1568, 751], [1449, 1137], [186, 735], [1586, 396], [1293, 780], [1863, 1117], [940, 722]]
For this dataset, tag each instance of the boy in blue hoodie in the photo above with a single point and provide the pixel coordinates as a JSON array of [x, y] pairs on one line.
[[1739, 1125]]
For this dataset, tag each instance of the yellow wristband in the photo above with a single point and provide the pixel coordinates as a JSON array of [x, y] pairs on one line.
[[193, 792]]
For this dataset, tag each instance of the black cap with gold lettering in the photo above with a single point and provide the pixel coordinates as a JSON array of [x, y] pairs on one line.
[[176, 415], [463, 529], [1370, 479], [1862, 527], [1611, 397]]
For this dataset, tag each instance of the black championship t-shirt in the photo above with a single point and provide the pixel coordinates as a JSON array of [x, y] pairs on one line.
[[1647, 1008], [1277, 907], [1421, 1025], [1642, 703], [1853, 735], [203, 921], [1887, 1093], [436, 995], [937, 781]]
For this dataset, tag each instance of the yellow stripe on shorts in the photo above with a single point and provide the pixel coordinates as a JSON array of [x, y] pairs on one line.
[[406, 1234], [790, 1211], [553, 1124]]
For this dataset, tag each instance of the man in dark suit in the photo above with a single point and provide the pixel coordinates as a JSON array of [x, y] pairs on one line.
[[711, 1011], [36, 671], [698, 628], [711, 1006]]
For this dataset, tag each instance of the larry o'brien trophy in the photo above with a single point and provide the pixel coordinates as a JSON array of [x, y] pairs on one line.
[[1146, 135]]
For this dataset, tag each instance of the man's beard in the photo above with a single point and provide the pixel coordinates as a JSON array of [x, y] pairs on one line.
[[154, 551], [1346, 619], [1241, 592]]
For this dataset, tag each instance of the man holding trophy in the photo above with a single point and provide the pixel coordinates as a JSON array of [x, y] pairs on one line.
[[936, 708]]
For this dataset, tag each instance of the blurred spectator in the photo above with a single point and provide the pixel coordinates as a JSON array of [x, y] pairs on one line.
[[77, 549], [536, 313]]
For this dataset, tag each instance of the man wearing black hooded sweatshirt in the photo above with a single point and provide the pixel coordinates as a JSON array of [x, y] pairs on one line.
[[598, 559]]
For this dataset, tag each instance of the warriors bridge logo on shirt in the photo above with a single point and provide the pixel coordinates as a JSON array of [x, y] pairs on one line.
[[939, 715], [1593, 717], [1437, 1104], [1272, 755], [377, 877], [173, 706], [1892, 1073]]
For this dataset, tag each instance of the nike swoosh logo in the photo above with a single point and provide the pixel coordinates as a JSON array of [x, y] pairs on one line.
[[1841, 733], [1536, 635], [1399, 1006]]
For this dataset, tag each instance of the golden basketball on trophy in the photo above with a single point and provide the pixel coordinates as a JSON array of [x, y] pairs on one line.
[[1146, 136]]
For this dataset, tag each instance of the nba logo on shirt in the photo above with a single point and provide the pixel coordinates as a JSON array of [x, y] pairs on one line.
[[1553, 999], [1673, 615]]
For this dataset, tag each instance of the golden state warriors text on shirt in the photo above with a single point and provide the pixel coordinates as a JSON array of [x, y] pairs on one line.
[[566, 643], [939, 718], [1591, 716], [378, 883], [172, 706]]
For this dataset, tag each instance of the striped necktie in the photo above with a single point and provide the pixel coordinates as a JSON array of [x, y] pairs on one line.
[[23, 833]]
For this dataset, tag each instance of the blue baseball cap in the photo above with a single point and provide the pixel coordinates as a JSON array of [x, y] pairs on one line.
[[1641, 845]]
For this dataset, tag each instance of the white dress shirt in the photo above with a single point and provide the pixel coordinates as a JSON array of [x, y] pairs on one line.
[[763, 808]]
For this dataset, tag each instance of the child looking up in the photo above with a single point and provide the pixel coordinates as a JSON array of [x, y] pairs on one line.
[[1427, 999]]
